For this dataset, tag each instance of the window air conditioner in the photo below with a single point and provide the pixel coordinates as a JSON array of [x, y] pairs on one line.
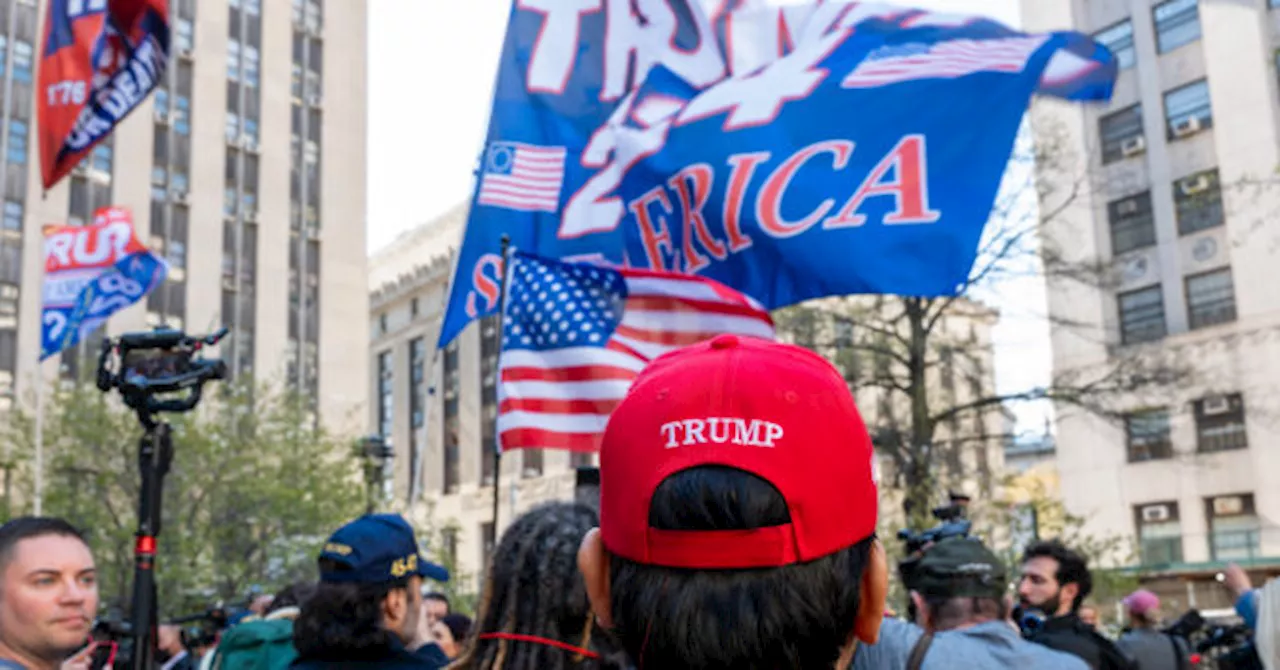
[[1127, 207], [1194, 185], [1185, 127], [1228, 506], [249, 144], [162, 115], [180, 196], [1155, 513], [1133, 146], [314, 100], [1216, 404]]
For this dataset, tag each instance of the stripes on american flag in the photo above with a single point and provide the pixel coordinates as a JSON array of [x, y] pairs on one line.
[[523, 177], [576, 335], [944, 60]]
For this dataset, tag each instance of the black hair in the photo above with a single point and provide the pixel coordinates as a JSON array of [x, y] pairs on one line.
[[343, 621], [533, 587], [436, 595], [293, 595], [27, 527], [459, 626], [796, 616], [949, 612], [1073, 568]]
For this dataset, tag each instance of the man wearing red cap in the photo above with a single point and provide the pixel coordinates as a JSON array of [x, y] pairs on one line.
[[1149, 648], [737, 513]]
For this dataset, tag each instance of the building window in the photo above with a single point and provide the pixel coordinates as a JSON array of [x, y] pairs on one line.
[[1220, 423], [12, 215], [417, 411], [1211, 299], [452, 425], [17, 141], [233, 60], [1198, 201], [1121, 134], [22, 59], [1159, 533], [1187, 109], [490, 343], [386, 395], [532, 463], [1119, 39], [1234, 528], [185, 32], [1133, 226], [1141, 315], [1147, 435], [1177, 23]]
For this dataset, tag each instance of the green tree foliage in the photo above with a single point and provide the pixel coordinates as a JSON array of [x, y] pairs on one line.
[[253, 490]]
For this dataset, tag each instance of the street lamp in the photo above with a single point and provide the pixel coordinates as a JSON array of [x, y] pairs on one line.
[[377, 453]]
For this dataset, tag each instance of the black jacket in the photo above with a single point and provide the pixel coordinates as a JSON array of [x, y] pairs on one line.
[[1069, 634], [427, 657]]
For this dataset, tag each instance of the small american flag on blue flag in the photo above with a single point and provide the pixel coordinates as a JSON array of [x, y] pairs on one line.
[[576, 335], [944, 60], [523, 177]]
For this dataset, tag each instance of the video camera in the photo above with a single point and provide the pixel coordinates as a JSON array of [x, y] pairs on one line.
[[157, 362], [1230, 648], [952, 524]]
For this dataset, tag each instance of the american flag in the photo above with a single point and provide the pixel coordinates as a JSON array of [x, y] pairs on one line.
[[944, 60], [521, 176], [575, 335]]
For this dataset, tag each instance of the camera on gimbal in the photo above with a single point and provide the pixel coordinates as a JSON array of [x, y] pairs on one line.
[[159, 371], [952, 523]]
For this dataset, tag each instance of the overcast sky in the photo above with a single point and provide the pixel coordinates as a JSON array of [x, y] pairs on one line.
[[431, 72]]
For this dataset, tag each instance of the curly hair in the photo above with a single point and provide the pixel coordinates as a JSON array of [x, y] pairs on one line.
[[533, 587], [343, 621]]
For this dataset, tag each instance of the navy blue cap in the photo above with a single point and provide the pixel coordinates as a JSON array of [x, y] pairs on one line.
[[377, 548]]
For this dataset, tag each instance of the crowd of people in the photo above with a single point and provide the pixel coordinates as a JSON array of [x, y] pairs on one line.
[[735, 528]]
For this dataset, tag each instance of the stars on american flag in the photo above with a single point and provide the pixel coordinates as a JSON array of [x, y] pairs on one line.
[[570, 306]]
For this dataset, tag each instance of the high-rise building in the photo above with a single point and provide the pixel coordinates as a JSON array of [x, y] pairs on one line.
[[439, 409], [1174, 194], [240, 170]]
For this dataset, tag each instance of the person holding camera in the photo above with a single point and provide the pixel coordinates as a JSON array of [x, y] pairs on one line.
[[1055, 581], [1149, 647], [958, 592]]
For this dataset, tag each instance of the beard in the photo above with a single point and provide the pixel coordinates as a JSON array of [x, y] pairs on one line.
[[1049, 606]]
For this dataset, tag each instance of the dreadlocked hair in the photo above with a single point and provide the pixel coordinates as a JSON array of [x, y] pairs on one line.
[[533, 587]]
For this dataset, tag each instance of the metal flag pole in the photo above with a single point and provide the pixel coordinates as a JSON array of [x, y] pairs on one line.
[[39, 440], [502, 325]]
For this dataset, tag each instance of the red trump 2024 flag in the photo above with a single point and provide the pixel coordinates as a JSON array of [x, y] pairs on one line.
[[99, 61]]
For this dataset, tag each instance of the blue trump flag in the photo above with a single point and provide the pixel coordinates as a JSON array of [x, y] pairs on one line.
[[790, 153], [92, 272]]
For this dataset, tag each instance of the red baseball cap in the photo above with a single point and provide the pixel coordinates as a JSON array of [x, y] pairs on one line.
[[778, 411]]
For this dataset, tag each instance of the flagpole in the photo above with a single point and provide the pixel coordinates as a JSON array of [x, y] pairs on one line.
[[497, 435], [39, 439]]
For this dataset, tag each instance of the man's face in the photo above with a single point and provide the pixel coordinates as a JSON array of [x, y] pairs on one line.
[[436, 610], [49, 597], [1038, 588]]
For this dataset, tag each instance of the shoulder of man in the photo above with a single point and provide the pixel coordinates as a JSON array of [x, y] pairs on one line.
[[897, 637], [1049, 658]]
